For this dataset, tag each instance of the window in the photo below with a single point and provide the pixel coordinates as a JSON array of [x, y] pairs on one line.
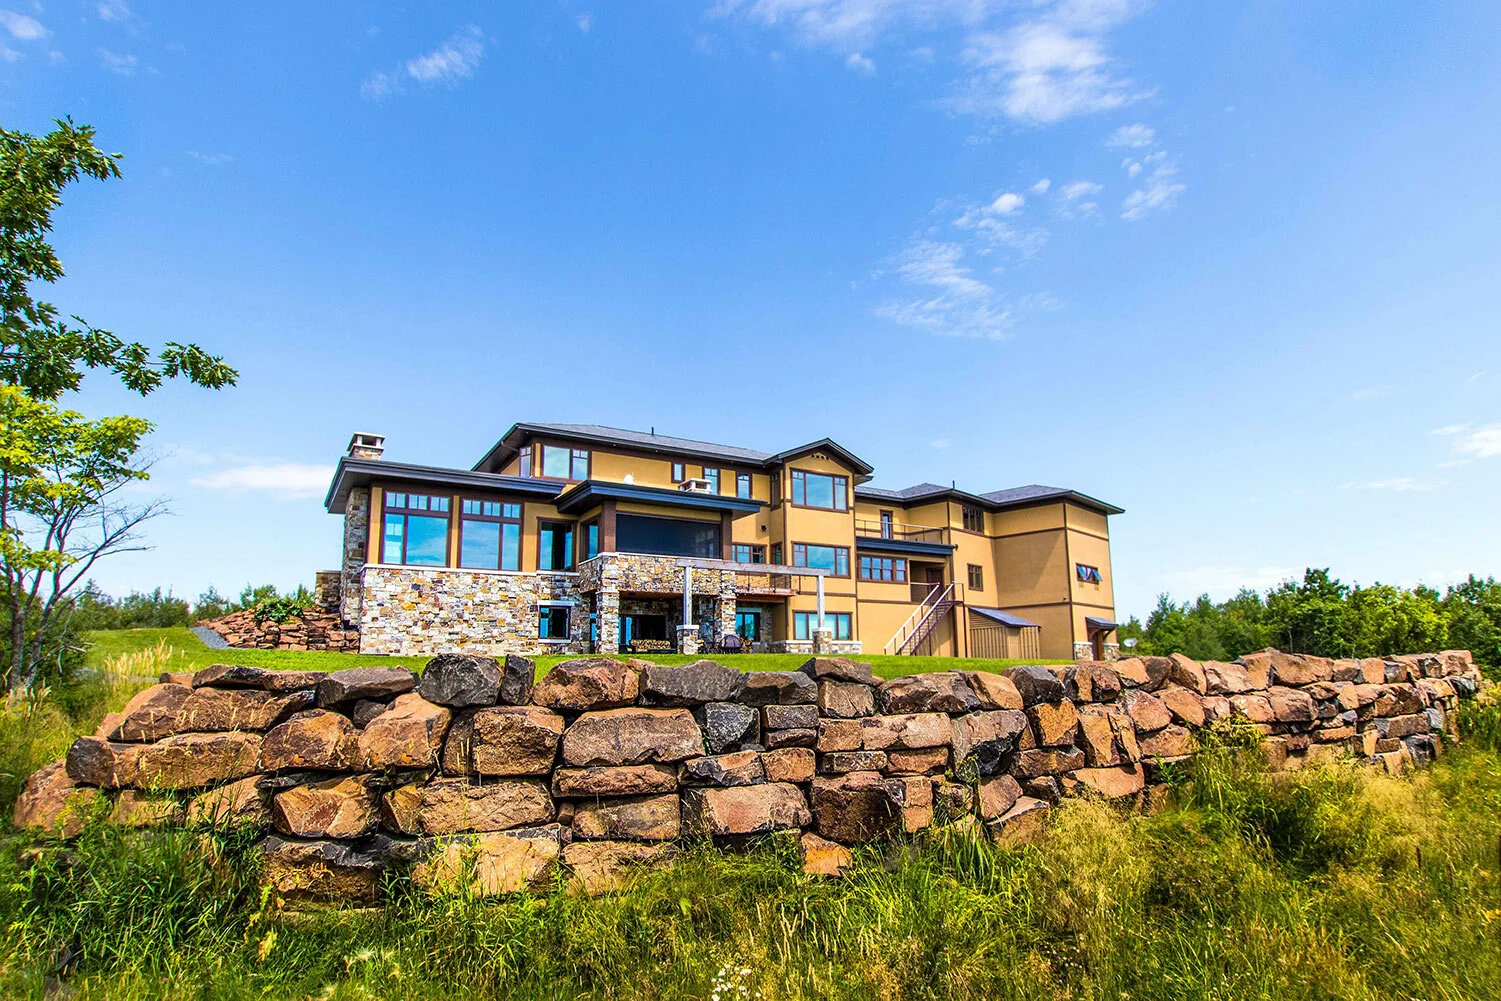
[[489, 535], [559, 463], [743, 486], [886, 524], [741, 553], [973, 519], [776, 490], [1087, 574], [524, 462], [552, 622], [679, 472], [640, 533], [748, 624], [819, 490], [712, 475], [835, 559], [591, 540], [554, 545], [415, 529], [976, 577], [776, 553], [803, 624], [883, 568]]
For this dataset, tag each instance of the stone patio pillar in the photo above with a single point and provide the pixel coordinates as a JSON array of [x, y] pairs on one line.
[[609, 620], [823, 641], [688, 639]]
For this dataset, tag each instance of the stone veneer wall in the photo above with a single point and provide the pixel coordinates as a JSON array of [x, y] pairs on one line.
[[420, 610], [471, 773], [356, 531]]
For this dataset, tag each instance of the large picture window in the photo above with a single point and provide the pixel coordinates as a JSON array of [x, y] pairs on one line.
[[489, 535], [414, 529], [883, 568], [560, 463], [835, 559], [819, 490], [639, 533], [554, 545], [803, 624]]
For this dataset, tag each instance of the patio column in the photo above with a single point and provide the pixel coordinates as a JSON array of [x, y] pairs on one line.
[[820, 601], [687, 596]]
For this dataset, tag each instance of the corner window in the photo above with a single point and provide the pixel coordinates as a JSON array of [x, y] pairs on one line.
[[803, 624], [741, 553], [743, 486], [489, 535], [776, 554], [883, 568], [679, 472], [1087, 574], [976, 577], [819, 490], [414, 529], [559, 463], [552, 622], [835, 559], [712, 475], [973, 519], [591, 540], [524, 462], [554, 545]]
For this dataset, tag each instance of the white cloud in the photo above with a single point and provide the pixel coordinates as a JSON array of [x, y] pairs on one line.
[[1158, 192], [450, 63], [113, 10], [1406, 484], [116, 62], [1132, 136], [1474, 443], [287, 479], [1007, 203], [939, 443], [1041, 187], [1074, 190], [210, 159], [953, 302], [21, 27], [860, 64], [851, 25], [585, 21]]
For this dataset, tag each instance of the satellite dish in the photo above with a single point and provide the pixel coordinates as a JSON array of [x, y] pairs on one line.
[[1129, 644], [630, 478]]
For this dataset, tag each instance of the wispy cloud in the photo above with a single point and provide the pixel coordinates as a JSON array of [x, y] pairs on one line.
[[1473, 442], [21, 27], [451, 63], [939, 443], [1157, 175], [288, 480], [113, 10], [210, 159], [1132, 136], [861, 64], [585, 21], [124, 64], [1405, 484], [948, 300]]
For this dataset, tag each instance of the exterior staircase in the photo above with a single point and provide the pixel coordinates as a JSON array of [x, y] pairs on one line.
[[921, 623]]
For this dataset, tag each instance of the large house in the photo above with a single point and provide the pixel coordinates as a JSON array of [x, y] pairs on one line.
[[579, 538]]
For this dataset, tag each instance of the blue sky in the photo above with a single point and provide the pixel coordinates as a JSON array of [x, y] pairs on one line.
[[1231, 267]]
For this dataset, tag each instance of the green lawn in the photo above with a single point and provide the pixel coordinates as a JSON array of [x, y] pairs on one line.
[[190, 654]]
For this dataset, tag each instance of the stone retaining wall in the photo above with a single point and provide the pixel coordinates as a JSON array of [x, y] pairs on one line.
[[312, 630], [472, 773]]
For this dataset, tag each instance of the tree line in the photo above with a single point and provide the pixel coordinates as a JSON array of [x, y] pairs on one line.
[[1322, 615]]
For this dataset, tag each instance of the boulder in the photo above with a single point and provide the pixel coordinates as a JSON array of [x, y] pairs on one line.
[[518, 677], [1132, 671], [995, 691], [606, 866], [1023, 824], [1169, 742], [352, 684], [1255, 708], [93, 761], [486, 865], [342, 807], [822, 857], [779, 688], [632, 818], [1225, 679], [938, 692], [1112, 783], [459, 680], [996, 794], [264, 678], [1299, 669], [857, 807], [952, 800], [458, 744], [632, 737], [151, 714], [1097, 736], [840, 735], [1049, 761], [1094, 682], [1158, 670], [1258, 668], [613, 780], [846, 699], [1186, 706], [1187, 673], [587, 684], [756, 809], [742, 768], [452, 806], [777, 739], [839, 762], [690, 684], [729, 726], [838, 669], [925, 761], [1037, 684], [241, 802], [1055, 723], [1125, 734], [515, 740], [207, 710], [1146, 711], [983, 739], [408, 735], [1291, 705], [366, 710], [789, 764], [319, 740], [790, 717], [906, 732], [51, 801], [184, 678], [320, 871], [1044, 787], [110, 721], [134, 808], [1398, 727], [195, 760]]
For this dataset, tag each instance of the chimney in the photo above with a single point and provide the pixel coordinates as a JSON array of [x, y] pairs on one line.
[[367, 446]]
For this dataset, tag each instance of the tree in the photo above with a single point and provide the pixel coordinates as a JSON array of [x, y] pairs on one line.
[[39, 351], [60, 474]]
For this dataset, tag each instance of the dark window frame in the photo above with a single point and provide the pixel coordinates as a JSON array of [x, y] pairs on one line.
[[405, 512], [883, 569], [679, 472], [757, 553], [504, 518], [572, 527], [975, 574], [714, 479], [841, 490], [832, 619], [776, 554], [585, 531], [841, 556], [546, 614], [575, 457], [972, 518], [744, 486], [1087, 574]]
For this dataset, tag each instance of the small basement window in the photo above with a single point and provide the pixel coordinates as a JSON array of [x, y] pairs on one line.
[[552, 622]]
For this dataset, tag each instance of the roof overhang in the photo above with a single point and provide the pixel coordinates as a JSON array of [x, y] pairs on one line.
[[354, 472], [850, 459], [585, 495], [976, 500], [511, 442], [1004, 617], [905, 546], [1100, 625]]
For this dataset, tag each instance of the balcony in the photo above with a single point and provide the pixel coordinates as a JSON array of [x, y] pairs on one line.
[[921, 540]]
